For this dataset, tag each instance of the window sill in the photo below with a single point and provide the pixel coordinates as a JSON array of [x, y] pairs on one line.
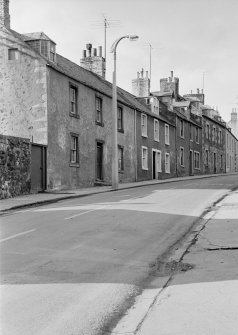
[[144, 135], [156, 140], [101, 124], [145, 169], [120, 131], [167, 143], [167, 172], [121, 171], [76, 116], [74, 165]]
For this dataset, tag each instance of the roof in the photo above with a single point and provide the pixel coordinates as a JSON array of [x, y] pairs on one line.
[[181, 103], [162, 94], [96, 82], [36, 36], [89, 78], [191, 98]]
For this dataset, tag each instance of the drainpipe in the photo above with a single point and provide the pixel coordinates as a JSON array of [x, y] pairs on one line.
[[135, 145], [176, 150]]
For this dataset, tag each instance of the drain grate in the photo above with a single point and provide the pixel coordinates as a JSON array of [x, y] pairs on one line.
[[172, 267]]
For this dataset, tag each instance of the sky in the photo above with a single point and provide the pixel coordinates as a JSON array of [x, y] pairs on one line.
[[197, 39]]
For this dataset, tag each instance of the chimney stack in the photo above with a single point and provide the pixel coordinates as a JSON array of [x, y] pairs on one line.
[[198, 92], [91, 61], [4, 13]]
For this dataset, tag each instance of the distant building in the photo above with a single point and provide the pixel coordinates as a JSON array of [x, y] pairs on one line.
[[233, 123], [214, 143]]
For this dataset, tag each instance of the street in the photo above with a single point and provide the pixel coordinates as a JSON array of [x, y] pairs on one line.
[[75, 267]]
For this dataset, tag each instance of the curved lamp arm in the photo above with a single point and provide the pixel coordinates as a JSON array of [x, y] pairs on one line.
[[131, 37]]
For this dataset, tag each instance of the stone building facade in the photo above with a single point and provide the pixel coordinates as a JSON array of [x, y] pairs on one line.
[[155, 134], [231, 151], [214, 149], [233, 123]]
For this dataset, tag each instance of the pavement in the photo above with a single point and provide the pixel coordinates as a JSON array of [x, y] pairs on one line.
[[55, 196], [195, 290]]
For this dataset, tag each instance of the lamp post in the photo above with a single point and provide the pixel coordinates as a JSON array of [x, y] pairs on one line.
[[114, 114]]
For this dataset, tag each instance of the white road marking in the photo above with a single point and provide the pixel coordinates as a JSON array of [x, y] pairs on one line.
[[79, 214], [17, 235]]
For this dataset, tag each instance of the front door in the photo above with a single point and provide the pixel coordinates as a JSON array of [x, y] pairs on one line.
[[154, 165], [215, 162], [38, 167], [191, 163], [99, 163]]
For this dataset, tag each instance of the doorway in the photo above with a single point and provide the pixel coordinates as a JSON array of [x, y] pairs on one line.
[[191, 163], [99, 162], [38, 167], [156, 163]]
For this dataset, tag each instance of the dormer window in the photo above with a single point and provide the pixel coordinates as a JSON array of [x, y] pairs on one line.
[[42, 44]]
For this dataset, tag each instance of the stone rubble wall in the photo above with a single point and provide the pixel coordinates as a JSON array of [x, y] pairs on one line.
[[15, 166]]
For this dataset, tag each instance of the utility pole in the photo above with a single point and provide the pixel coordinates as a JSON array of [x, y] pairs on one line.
[[150, 60]]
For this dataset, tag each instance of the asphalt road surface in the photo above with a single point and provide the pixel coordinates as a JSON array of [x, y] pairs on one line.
[[74, 267]]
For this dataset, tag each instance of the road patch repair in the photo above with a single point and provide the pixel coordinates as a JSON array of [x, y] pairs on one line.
[[195, 290]]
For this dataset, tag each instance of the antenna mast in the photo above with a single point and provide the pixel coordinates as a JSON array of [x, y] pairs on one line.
[[150, 60]]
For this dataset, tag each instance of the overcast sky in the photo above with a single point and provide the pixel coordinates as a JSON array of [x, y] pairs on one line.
[[190, 37]]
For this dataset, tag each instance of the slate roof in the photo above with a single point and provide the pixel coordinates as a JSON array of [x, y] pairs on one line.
[[36, 36], [181, 103]]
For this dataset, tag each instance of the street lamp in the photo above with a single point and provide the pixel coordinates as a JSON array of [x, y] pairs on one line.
[[114, 114]]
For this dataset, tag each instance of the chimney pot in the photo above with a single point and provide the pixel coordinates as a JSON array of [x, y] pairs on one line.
[[84, 53], [142, 73], [95, 52], [172, 74], [198, 90], [100, 51], [146, 74]]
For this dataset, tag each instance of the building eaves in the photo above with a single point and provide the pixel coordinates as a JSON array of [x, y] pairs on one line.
[[221, 123]]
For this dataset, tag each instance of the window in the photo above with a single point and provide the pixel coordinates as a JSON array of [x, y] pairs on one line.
[[213, 133], [120, 119], [191, 132], [74, 145], [197, 135], [181, 128], [52, 52], [207, 131], [167, 163], [73, 96], [13, 54], [196, 160], [156, 130], [219, 136], [120, 159], [144, 158], [206, 156], [144, 125], [167, 134], [182, 156], [221, 162], [98, 110], [44, 48]]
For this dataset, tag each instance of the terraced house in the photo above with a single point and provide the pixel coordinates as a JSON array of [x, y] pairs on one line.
[[56, 122]]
